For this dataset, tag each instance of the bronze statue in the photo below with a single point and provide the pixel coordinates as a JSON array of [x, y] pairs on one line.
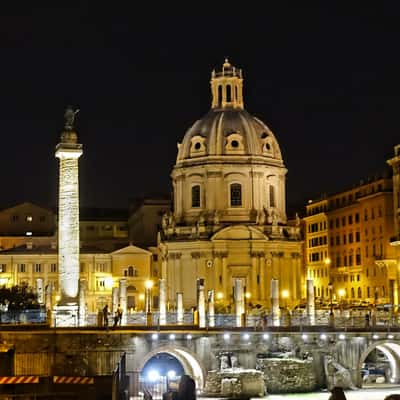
[[69, 117]]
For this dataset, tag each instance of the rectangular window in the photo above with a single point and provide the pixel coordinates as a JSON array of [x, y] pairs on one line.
[[337, 222], [350, 260], [101, 267], [236, 194], [337, 240], [357, 236], [344, 239], [21, 268], [357, 217], [82, 267], [350, 237], [3, 267], [358, 259], [196, 196], [343, 221], [350, 219], [38, 267], [53, 267]]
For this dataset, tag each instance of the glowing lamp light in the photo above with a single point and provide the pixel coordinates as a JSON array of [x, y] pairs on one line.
[[172, 336], [246, 336], [171, 374], [265, 336], [323, 336], [189, 337], [220, 295], [154, 336], [341, 292], [141, 296], [148, 284], [327, 261], [227, 336], [29, 233], [58, 297], [153, 375], [285, 294], [375, 336], [3, 281], [390, 336], [304, 336], [247, 295], [342, 336]]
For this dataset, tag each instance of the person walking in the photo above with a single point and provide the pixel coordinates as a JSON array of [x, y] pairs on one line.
[[105, 315], [119, 313]]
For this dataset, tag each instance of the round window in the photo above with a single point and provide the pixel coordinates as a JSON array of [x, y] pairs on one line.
[[267, 146], [235, 143], [197, 146]]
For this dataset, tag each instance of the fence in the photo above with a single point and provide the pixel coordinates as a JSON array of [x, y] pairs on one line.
[[341, 319]]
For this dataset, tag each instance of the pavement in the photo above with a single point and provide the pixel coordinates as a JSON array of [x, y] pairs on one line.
[[360, 394]]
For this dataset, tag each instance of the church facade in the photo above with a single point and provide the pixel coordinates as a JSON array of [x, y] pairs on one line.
[[229, 218]]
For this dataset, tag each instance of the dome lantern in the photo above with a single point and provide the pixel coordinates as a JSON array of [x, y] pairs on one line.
[[227, 87]]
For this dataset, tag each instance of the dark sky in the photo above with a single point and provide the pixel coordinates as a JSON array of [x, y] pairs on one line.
[[326, 80]]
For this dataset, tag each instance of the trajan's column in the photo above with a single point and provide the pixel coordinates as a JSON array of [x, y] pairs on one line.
[[68, 151]]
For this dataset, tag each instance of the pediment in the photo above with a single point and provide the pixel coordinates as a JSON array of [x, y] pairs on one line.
[[239, 232]]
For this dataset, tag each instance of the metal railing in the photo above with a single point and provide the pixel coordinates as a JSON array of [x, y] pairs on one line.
[[345, 319]]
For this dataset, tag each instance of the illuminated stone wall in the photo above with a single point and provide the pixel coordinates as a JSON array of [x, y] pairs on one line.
[[68, 224]]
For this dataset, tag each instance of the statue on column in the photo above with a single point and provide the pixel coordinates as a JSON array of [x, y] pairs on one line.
[[69, 117]]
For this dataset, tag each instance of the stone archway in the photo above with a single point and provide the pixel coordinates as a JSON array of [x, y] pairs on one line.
[[189, 361], [391, 350]]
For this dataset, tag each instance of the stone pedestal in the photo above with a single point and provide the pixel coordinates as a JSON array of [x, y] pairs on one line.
[[66, 315]]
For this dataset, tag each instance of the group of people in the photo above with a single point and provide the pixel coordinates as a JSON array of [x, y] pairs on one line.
[[117, 316]]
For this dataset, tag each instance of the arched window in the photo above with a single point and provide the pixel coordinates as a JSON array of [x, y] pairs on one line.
[[272, 200], [236, 194], [196, 196], [131, 271], [359, 293], [219, 95], [352, 293], [228, 93]]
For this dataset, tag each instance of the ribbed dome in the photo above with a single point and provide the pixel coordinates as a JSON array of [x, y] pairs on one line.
[[227, 132]]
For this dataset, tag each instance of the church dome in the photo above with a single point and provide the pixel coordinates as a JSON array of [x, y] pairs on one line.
[[229, 167], [228, 129]]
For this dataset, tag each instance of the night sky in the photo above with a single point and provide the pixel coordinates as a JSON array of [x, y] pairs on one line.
[[325, 80]]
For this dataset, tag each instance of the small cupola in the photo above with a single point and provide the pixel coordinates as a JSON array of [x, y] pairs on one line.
[[227, 87]]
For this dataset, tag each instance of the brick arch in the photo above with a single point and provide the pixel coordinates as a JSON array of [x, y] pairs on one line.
[[391, 349], [189, 361]]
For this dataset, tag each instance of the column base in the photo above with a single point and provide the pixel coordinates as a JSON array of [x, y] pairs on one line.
[[66, 315]]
